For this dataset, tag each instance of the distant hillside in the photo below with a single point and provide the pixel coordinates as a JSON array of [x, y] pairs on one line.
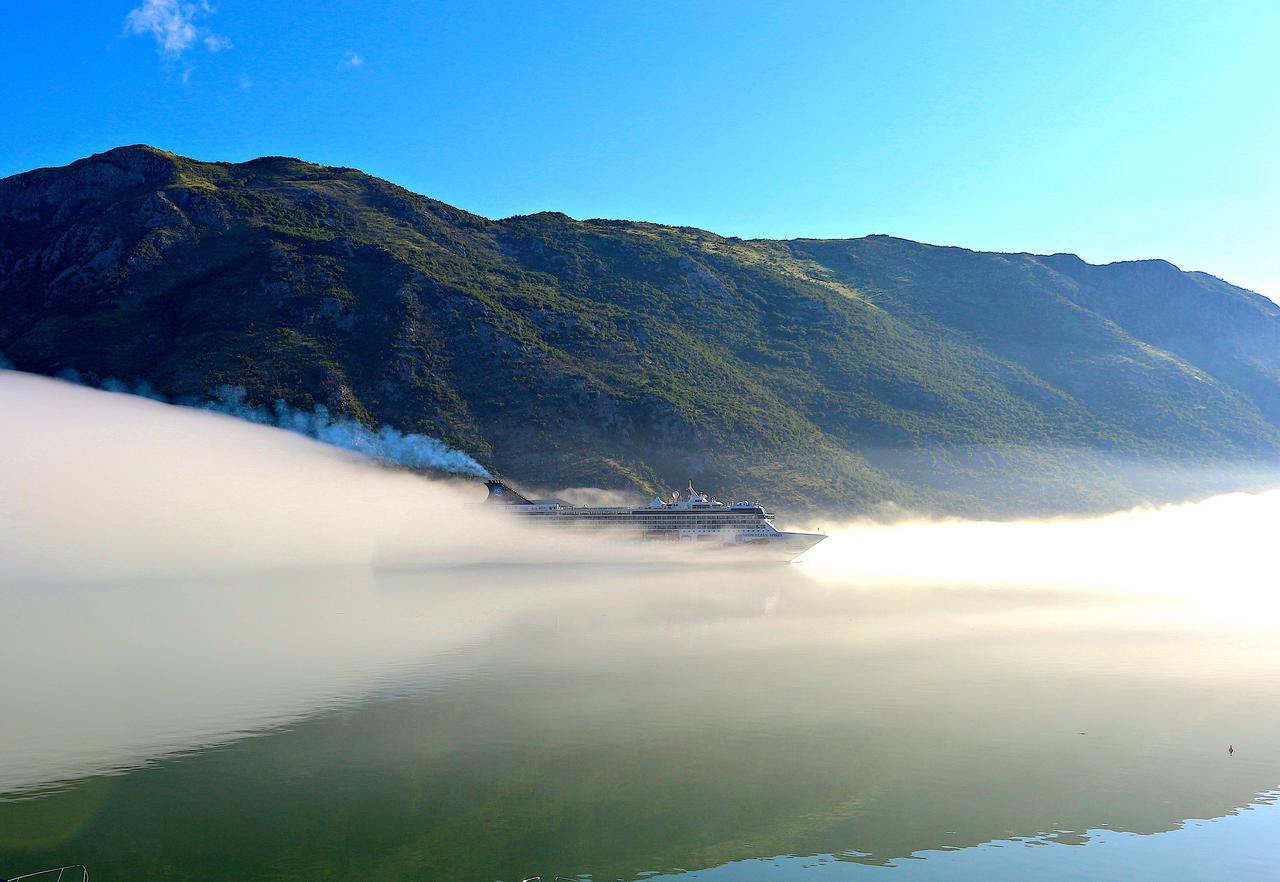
[[813, 374]]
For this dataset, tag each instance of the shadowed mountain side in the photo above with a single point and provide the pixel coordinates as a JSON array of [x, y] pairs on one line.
[[813, 374]]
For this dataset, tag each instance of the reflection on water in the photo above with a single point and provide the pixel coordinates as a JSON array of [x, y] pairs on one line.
[[1240, 846], [489, 724]]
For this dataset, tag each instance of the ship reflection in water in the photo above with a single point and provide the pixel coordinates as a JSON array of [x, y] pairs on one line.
[[493, 723]]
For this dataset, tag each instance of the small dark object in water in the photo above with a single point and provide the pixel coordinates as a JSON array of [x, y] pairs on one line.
[[1231, 749]]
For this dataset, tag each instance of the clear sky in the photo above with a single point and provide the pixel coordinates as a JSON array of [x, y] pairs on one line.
[[1114, 130]]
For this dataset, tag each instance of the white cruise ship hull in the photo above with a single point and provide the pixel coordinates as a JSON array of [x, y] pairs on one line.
[[743, 530], [785, 546], [781, 547]]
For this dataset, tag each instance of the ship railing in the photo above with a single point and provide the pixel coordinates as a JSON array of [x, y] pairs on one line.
[[69, 873]]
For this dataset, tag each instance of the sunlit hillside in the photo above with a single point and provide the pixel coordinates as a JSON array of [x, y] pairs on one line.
[[835, 375]]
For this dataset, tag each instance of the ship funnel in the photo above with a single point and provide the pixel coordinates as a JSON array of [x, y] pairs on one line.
[[504, 495]]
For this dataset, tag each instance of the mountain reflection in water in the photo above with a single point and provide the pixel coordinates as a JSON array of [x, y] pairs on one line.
[[479, 724]]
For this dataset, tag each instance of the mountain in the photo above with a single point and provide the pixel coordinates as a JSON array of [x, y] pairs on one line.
[[814, 374]]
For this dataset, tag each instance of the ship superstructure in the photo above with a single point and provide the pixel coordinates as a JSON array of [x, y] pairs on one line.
[[689, 517]]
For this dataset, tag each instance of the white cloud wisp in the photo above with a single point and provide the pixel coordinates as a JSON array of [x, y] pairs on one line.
[[174, 25]]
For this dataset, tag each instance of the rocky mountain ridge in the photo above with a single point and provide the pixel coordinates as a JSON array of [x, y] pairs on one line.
[[816, 374]]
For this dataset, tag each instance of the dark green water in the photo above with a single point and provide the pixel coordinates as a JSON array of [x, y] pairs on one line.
[[775, 723]]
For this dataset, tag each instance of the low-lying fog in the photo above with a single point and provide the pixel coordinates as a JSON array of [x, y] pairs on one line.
[[100, 486], [171, 579]]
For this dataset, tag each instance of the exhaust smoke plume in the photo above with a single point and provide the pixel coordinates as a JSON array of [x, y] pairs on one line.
[[385, 444]]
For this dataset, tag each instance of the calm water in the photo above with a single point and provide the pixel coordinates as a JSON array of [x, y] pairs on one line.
[[770, 723]]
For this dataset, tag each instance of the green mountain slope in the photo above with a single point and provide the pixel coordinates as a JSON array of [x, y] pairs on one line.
[[814, 374]]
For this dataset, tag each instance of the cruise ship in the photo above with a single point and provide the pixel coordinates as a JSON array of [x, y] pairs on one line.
[[691, 517]]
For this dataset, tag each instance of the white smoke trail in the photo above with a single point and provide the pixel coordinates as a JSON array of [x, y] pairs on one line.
[[385, 444]]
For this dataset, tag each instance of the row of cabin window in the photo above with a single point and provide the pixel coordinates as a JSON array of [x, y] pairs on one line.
[[679, 519]]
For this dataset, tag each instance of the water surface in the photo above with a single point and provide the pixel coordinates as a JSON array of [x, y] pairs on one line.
[[493, 723]]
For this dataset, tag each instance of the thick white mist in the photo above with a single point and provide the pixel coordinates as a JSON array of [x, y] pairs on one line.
[[102, 486], [1221, 545]]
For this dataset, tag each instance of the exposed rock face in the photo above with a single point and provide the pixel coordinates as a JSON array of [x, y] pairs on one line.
[[617, 354]]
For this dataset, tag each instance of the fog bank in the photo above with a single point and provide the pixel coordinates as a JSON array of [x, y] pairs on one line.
[[98, 485], [1221, 544], [102, 486]]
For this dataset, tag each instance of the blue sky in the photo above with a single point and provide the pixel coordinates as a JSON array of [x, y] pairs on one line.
[[1114, 130]]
